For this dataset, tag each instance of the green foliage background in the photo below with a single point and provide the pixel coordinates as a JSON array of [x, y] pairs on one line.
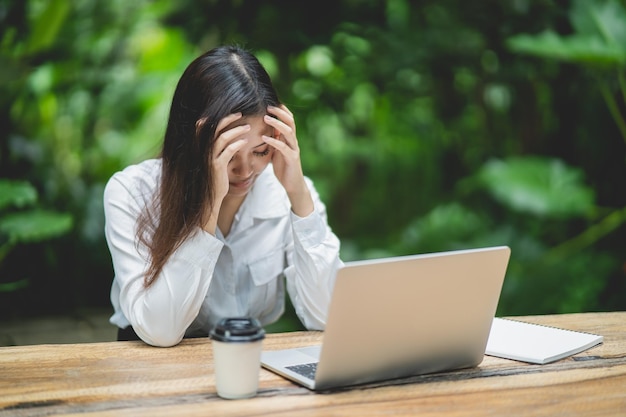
[[426, 126]]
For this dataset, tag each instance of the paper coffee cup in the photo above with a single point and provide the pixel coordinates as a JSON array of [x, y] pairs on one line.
[[237, 345]]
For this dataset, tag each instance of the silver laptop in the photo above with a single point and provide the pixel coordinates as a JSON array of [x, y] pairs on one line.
[[402, 316]]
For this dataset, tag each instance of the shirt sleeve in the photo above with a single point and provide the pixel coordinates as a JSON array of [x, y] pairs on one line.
[[313, 265], [161, 313]]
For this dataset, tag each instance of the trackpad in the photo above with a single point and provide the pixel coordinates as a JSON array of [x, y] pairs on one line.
[[313, 351]]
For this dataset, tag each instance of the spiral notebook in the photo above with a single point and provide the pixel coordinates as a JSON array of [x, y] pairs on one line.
[[526, 342]]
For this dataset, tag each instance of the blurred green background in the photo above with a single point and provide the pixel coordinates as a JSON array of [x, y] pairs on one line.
[[426, 126]]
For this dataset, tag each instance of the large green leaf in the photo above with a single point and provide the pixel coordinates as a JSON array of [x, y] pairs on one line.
[[545, 187], [47, 23], [446, 226], [575, 48], [602, 19], [16, 193], [14, 285], [599, 38], [35, 225]]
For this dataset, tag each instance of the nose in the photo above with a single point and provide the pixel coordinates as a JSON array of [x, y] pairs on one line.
[[242, 165]]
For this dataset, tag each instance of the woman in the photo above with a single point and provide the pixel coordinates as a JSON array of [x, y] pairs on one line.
[[209, 228]]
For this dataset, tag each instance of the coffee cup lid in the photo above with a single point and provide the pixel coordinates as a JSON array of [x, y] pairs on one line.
[[237, 329]]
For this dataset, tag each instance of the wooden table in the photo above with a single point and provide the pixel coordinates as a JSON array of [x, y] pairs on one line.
[[133, 379]]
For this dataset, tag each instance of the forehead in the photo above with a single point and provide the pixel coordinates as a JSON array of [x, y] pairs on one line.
[[257, 128], [255, 122]]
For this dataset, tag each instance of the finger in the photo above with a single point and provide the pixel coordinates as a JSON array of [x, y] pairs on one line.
[[279, 145], [226, 121], [283, 107], [228, 136], [286, 131], [230, 150], [278, 124], [283, 114]]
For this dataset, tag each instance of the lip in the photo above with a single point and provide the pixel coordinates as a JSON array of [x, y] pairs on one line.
[[242, 184]]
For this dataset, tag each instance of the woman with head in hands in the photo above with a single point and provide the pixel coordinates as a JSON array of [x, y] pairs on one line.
[[209, 228]]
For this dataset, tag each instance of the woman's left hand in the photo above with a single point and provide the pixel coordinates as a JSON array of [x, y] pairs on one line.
[[286, 159]]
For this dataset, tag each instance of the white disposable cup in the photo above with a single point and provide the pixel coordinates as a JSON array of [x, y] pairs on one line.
[[237, 345], [237, 366]]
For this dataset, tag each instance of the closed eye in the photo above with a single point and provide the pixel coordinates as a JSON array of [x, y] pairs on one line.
[[262, 153]]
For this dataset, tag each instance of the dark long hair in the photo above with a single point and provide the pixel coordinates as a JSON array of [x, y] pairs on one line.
[[222, 81]]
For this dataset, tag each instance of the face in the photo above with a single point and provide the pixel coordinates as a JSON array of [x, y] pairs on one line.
[[251, 160]]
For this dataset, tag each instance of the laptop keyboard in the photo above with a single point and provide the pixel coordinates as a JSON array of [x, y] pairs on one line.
[[307, 370]]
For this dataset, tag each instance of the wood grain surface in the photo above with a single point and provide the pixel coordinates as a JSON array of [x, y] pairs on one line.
[[133, 379]]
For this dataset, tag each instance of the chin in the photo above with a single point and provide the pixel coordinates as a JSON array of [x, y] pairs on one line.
[[238, 193]]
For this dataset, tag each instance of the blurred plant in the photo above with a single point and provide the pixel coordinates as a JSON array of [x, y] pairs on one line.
[[79, 99], [598, 43], [555, 197], [542, 200], [397, 106], [28, 224], [550, 189]]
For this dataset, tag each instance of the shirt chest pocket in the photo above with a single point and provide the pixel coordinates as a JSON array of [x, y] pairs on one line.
[[265, 270], [267, 294]]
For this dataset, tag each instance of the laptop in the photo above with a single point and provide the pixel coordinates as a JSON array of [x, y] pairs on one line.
[[401, 316]]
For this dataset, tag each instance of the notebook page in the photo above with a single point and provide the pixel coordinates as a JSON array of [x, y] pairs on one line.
[[511, 339]]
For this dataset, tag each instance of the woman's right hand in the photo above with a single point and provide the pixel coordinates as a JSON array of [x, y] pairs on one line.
[[225, 147]]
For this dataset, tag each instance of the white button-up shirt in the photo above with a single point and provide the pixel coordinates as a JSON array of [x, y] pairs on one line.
[[210, 277]]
